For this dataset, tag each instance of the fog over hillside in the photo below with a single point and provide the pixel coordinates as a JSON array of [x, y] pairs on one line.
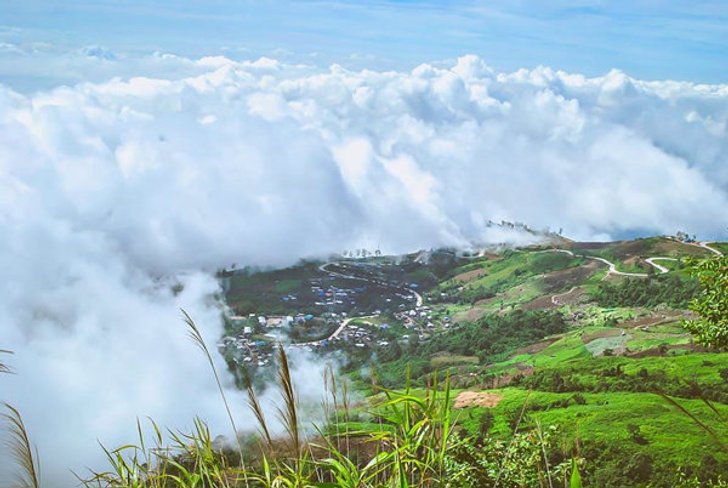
[[112, 192]]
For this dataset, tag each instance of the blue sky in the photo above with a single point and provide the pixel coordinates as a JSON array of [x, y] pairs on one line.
[[684, 40]]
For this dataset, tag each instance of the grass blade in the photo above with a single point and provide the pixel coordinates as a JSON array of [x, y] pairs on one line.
[[21, 449], [196, 337], [4, 368]]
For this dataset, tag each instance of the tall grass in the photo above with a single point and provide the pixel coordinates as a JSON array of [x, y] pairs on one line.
[[18, 442], [4, 368], [25, 456], [195, 335], [406, 447], [410, 441]]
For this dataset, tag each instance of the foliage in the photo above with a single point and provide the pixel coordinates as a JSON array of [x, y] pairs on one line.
[[711, 328], [494, 337], [691, 376], [670, 289], [527, 459]]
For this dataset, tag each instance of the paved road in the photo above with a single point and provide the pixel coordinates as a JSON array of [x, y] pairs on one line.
[[659, 267], [335, 333], [613, 267], [706, 246], [555, 298], [346, 322], [419, 301], [650, 261]]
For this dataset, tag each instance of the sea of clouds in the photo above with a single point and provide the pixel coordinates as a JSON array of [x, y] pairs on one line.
[[112, 192]]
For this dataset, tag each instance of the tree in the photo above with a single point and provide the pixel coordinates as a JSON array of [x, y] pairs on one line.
[[711, 327]]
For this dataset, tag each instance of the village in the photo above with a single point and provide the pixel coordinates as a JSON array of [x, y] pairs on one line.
[[338, 317]]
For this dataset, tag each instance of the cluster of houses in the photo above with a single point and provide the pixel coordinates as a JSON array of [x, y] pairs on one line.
[[332, 296], [252, 342], [245, 350], [366, 333]]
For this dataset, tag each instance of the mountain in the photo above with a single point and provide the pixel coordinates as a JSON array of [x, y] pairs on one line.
[[584, 337]]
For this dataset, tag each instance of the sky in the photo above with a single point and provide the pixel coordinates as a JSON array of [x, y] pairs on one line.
[[144, 146], [678, 40]]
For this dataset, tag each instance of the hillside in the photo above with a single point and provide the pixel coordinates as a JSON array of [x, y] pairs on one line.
[[585, 337]]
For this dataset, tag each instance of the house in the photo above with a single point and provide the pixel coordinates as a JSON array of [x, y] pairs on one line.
[[275, 322]]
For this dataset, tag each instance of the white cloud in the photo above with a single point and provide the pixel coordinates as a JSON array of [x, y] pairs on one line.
[[110, 192]]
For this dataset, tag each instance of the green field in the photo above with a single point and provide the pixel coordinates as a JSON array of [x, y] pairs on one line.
[[720, 246]]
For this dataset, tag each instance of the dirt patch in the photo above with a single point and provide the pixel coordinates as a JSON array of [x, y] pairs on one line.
[[664, 348], [470, 315], [638, 262], [477, 399], [574, 297], [565, 278], [642, 321], [469, 276], [588, 245], [488, 301], [651, 320], [490, 382], [535, 348], [540, 303], [587, 338]]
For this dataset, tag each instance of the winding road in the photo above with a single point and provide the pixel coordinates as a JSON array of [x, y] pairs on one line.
[[705, 245], [612, 267], [659, 267], [419, 301], [335, 333], [555, 298]]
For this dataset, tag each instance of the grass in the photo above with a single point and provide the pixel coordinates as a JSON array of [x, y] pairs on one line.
[[605, 417], [597, 347], [441, 361], [566, 349], [4, 368], [644, 343], [407, 445], [196, 337], [571, 358], [513, 269], [25, 456], [406, 437], [721, 246]]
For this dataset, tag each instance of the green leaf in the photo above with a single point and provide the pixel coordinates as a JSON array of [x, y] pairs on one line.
[[575, 476]]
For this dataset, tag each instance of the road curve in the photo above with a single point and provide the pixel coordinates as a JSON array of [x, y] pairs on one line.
[[705, 245], [334, 335], [419, 301], [659, 267], [613, 267], [555, 298]]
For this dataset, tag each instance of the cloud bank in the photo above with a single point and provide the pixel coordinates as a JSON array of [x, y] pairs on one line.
[[112, 192]]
